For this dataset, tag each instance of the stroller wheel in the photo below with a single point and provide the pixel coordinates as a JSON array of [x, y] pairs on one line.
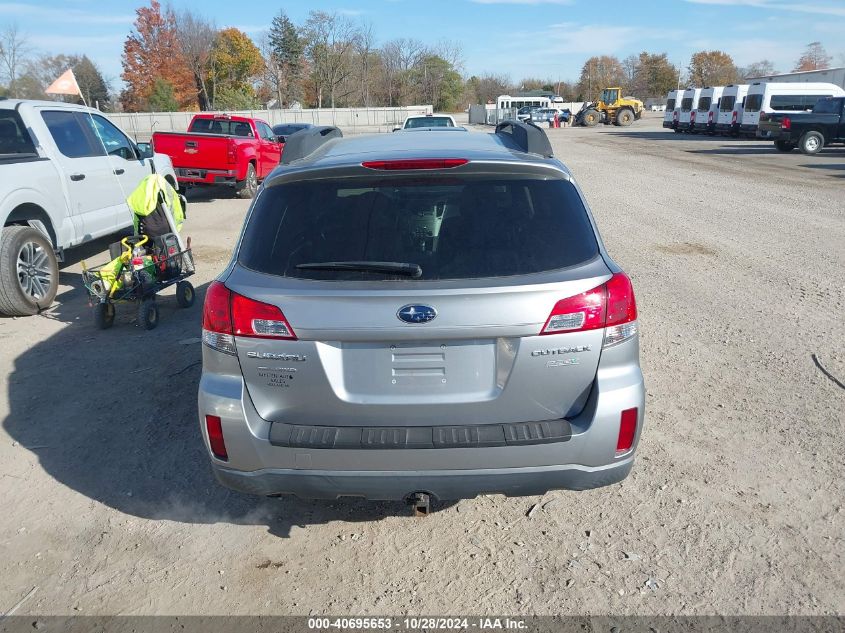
[[185, 294], [104, 315], [148, 314]]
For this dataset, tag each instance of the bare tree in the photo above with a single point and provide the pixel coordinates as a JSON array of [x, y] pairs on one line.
[[364, 46], [14, 50], [196, 38], [331, 40], [452, 51], [274, 72], [758, 69], [399, 57]]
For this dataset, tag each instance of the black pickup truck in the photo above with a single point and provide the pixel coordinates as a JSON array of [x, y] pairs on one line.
[[808, 131]]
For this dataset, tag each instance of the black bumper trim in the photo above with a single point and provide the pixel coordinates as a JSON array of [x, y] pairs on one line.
[[416, 437]]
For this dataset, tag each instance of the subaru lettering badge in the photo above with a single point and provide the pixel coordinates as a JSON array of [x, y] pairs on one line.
[[416, 313]]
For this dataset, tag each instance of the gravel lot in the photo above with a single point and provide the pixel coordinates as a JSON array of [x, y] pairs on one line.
[[735, 504]]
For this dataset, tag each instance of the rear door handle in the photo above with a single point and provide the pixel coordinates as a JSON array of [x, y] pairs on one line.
[[118, 171], [76, 177]]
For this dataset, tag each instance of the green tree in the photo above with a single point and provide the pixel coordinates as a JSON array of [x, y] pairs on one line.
[[162, 97], [438, 82], [235, 64], [91, 83], [287, 49], [712, 68]]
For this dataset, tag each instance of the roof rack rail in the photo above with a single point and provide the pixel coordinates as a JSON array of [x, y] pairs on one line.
[[527, 137], [306, 142]]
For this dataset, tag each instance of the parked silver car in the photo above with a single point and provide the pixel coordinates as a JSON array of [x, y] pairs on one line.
[[413, 315]]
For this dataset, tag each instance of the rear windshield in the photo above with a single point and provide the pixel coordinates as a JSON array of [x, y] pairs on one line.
[[14, 139], [455, 228], [287, 130], [828, 106], [704, 104], [429, 121], [753, 102], [670, 105], [727, 103], [686, 104], [221, 126]]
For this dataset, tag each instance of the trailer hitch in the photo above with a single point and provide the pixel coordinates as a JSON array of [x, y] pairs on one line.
[[420, 502]]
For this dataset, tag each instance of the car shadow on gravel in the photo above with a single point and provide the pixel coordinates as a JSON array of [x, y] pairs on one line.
[[206, 194], [667, 135], [112, 415]]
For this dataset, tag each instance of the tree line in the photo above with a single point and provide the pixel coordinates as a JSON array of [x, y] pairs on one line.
[[182, 61]]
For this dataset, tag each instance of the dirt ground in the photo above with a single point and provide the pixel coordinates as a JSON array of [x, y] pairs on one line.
[[734, 506]]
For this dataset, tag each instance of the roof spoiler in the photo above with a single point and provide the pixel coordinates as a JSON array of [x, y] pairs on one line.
[[306, 142], [527, 137]]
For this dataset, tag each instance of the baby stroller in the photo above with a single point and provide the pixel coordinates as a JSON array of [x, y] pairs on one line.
[[145, 263]]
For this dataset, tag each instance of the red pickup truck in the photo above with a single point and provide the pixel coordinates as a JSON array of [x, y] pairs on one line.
[[219, 149]]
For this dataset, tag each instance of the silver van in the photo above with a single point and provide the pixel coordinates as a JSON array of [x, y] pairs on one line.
[[426, 316]]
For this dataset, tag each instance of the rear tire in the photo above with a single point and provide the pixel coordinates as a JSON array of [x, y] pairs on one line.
[[185, 294], [29, 272], [248, 187], [811, 143], [104, 315], [148, 314], [784, 146], [625, 117]]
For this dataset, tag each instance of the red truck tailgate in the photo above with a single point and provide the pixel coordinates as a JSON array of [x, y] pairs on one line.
[[194, 151]]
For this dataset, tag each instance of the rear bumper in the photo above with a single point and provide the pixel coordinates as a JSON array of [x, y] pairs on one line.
[[669, 125], [683, 125], [440, 484], [748, 128], [773, 135], [190, 176], [724, 127], [268, 458]]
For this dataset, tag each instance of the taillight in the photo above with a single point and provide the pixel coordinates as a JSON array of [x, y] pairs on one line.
[[675, 115], [231, 154], [414, 163], [627, 430], [214, 426], [254, 319], [733, 118], [227, 314], [786, 124], [217, 331], [692, 116], [710, 117], [611, 306]]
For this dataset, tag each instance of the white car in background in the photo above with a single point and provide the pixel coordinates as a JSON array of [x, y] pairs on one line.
[[427, 121], [65, 173]]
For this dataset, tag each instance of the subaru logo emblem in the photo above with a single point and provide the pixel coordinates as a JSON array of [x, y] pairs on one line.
[[416, 313]]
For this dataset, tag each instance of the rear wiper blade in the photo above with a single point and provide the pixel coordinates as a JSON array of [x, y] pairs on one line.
[[398, 268]]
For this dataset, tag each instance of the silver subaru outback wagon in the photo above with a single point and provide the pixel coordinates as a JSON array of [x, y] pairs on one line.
[[420, 315]]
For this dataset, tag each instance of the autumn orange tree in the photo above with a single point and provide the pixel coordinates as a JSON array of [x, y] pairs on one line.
[[152, 55], [815, 57]]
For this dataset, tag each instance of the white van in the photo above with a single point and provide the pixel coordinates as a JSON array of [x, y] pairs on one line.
[[708, 108], [731, 107], [774, 97], [689, 104], [673, 102]]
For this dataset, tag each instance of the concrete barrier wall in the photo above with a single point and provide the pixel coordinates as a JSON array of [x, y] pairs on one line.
[[141, 125]]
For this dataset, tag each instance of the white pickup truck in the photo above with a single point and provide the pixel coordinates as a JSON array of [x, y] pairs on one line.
[[65, 173]]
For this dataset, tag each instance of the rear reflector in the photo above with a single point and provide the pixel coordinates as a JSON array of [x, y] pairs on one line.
[[627, 430], [414, 163], [214, 426]]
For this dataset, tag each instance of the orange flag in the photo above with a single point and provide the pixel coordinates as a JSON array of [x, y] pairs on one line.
[[64, 85]]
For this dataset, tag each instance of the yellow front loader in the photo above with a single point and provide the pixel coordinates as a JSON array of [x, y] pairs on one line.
[[611, 107]]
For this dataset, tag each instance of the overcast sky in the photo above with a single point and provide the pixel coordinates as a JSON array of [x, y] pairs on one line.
[[520, 38]]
